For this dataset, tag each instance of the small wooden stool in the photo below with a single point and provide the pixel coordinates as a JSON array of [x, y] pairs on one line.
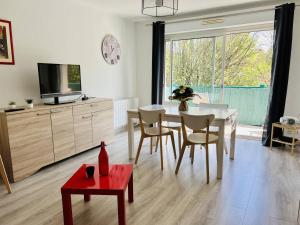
[[293, 128], [4, 176]]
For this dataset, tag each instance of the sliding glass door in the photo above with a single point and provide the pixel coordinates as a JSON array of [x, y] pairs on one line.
[[234, 69]]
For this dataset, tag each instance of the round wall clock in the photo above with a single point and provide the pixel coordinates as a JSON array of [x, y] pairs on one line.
[[111, 49]]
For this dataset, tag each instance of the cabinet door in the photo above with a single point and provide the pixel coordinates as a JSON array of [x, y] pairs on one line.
[[83, 132], [31, 145], [63, 132], [102, 123]]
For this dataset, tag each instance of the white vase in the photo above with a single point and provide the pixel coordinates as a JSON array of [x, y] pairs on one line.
[[30, 106]]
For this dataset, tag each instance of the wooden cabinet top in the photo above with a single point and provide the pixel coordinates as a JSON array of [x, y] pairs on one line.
[[45, 107]]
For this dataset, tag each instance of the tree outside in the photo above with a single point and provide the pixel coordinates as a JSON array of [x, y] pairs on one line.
[[247, 63], [248, 58]]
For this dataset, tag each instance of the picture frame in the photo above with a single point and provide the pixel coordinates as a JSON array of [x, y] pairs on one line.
[[6, 43]]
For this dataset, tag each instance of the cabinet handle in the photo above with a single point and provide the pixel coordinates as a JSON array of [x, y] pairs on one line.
[[91, 105], [41, 114], [86, 117]]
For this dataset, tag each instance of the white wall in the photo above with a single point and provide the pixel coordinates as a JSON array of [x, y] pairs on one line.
[[144, 62], [65, 31], [292, 107], [144, 43]]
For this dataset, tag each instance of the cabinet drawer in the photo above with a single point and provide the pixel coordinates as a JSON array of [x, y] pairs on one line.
[[92, 107], [18, 118], [61, 109], [101, 106], [30, 139], [102, 123], [63, 132], [83, 132], [81, 109], [22, 120]]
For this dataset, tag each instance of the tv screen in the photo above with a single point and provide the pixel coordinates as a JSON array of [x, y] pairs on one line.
[[59, 79]]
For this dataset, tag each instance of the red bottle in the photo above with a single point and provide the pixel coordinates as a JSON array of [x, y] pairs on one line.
[[103, 160]]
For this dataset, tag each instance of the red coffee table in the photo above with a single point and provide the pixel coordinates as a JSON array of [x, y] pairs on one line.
[[114, 184]]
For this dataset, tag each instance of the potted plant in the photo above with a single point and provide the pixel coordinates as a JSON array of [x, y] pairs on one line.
[[29, 102], [12, 104], [182, 94]]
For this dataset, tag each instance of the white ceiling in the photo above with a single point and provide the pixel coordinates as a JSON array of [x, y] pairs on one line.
[[132, 8]]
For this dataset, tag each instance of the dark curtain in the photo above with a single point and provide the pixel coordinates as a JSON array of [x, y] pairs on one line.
[[283, 33], [158, 61]]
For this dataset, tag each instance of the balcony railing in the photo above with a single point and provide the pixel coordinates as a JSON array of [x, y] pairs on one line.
[[251, 102]]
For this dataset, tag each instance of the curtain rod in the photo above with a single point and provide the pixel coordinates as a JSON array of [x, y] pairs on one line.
[[216, 15]]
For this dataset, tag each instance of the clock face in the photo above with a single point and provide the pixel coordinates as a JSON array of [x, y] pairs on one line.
[[111, 50]]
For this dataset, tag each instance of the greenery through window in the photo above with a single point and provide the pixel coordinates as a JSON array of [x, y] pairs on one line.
[[215, 64]]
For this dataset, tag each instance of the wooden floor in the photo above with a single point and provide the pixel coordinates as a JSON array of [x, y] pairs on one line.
[[260, 187]]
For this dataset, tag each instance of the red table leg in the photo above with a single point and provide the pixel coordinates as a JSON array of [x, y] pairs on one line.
[[121, 208], [87, 197], [130, 189], [67, 209]]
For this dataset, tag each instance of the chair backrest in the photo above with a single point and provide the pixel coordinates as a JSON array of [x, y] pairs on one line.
[[201, 98], [214, 106], [197, 122], [151, 116]]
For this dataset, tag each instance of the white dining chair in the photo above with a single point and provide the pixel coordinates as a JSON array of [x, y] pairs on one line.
[[153, 119], [196, 123], [4, 176], [212, 129]]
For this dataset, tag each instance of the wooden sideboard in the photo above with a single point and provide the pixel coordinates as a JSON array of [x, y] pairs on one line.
[[33, 138]]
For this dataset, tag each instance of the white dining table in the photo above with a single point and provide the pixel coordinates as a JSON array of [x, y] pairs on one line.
[[223, 118]]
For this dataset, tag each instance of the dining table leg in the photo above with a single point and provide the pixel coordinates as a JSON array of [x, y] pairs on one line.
[[130, 137], [232, 141], [220, 150]]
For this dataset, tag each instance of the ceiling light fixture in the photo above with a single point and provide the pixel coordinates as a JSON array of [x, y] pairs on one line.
[[159, 8]]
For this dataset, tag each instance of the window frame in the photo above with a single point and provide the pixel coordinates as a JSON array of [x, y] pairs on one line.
[[211, 33]]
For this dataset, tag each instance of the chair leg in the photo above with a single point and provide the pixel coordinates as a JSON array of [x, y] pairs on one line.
[[4, 176], [192, 153], [179, 139], [166, 139], [161, 154], [139, 149], [180, 157], [225, 148], [156, 146], [151, 143], [173, 145], [207, 164]]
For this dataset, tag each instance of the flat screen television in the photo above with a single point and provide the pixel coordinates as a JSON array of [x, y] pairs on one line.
[[59, 80]]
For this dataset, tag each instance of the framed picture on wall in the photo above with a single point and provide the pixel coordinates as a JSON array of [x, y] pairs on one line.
[[6, 43]]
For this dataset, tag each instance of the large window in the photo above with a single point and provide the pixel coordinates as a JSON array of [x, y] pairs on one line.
[[234, 69]]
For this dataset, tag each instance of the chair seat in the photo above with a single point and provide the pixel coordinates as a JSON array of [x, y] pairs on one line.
[[171, 125], [154, 131], [200, 138]]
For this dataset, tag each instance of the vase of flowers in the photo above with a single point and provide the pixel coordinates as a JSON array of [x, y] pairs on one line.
[[182, 94]]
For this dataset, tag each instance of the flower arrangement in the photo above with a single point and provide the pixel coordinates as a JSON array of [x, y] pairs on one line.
[[183, 94]]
